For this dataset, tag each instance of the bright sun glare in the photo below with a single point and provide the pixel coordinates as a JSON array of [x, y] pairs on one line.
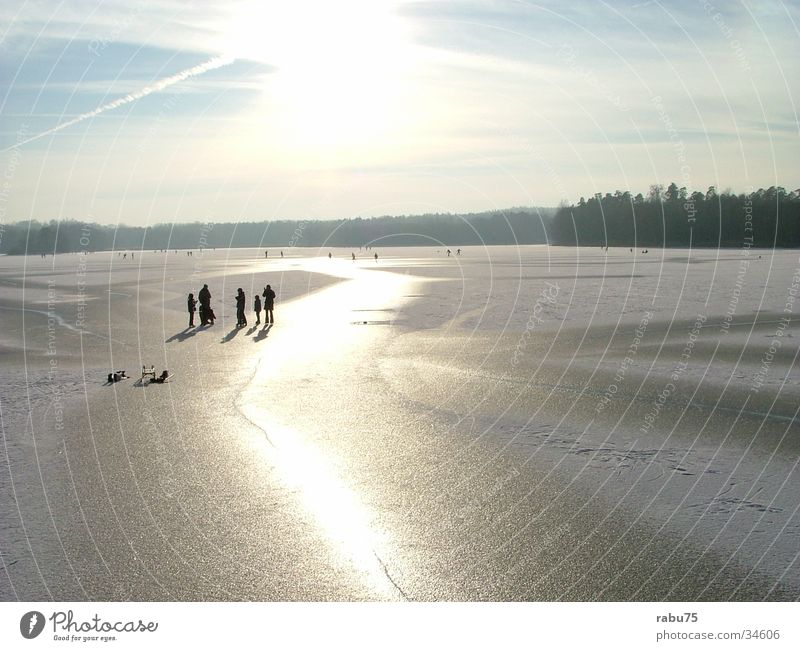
[[339, 64]]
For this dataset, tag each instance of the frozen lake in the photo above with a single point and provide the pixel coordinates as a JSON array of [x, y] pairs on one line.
[[508, 423]]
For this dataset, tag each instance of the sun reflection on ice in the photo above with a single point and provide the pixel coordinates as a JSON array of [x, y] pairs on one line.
[[312, 333]]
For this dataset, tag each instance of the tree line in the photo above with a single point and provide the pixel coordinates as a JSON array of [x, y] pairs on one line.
[[671, 216], [674, 217], [519, 225]]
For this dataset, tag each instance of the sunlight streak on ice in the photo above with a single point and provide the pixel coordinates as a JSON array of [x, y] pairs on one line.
[[321, 330]]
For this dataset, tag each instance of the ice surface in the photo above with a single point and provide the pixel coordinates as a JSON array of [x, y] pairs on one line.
[[510, 423]]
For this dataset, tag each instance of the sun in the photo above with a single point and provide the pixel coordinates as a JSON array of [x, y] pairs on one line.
[[340, 65]]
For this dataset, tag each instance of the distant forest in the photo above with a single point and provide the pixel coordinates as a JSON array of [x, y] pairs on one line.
[[519, 225], [673, 217]]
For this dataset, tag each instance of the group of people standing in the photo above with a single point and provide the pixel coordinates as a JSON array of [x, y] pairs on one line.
[[207, 316], [269, 305]]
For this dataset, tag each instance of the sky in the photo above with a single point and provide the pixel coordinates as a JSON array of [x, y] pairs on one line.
[[158, 111]]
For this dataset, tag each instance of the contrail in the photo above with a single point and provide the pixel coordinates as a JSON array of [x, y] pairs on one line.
[[216, 62]]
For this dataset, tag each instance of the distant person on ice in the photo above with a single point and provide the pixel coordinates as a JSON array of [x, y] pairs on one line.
[[257, 308], [191, 304], [269, 304], [241, 320], [206, 313]]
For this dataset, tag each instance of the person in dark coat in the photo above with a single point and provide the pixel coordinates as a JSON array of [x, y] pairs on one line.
[[241, 320], [206, 314], [269, 304], [257, 308], [191, 304]]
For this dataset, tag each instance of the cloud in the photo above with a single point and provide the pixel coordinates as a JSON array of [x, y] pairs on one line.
[[463, 88], [212, 64]]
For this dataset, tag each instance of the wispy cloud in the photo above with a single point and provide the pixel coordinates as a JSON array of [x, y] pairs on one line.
[[470, 91], [216, 62]]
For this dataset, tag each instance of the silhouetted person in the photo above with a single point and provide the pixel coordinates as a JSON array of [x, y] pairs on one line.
[[458, 252], [191, 305], [257, 308], [448, 253], [281, 253], [241, 320], [206, 314], [376, 257], [354, 255], [161, 378], [329, 255], [269, 304], [266, 254]]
